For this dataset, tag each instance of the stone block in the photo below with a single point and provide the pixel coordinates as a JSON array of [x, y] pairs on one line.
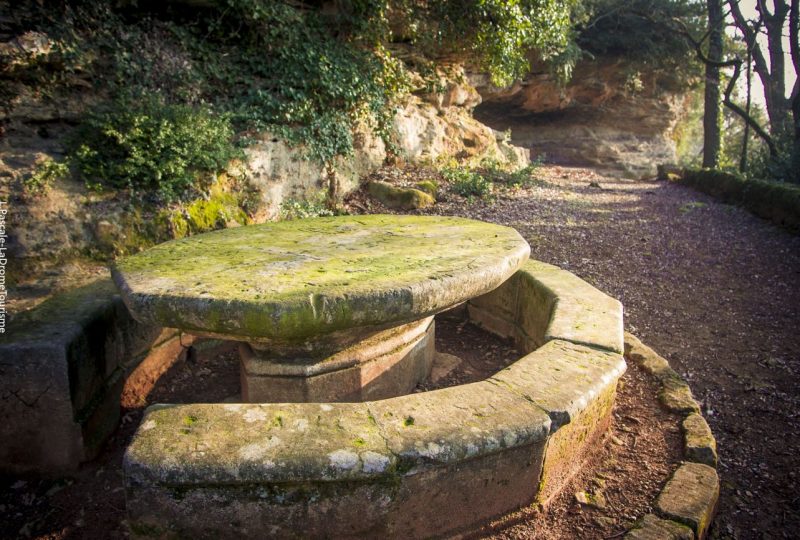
[[576, 386], [390, 468], [61, 374], [580, 313], [690, 497], [698, 441], [246, 470], [459, 496], [562, 378], [156, 362], [676, 396], [651, 527], [534, 309], [388, 364], [457, 423]]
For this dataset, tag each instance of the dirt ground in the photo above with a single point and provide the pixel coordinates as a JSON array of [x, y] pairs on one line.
[[712, 288]]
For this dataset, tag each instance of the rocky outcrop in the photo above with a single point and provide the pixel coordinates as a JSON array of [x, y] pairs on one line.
[[611, 114]]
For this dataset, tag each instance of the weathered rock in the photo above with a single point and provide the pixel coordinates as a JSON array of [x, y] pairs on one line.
[[651, 527], [457, 423], [576, 386], [676, 396], [699, 443], [280, 172], [431, 187], [387, 364], [562, 378], [426, 133], [690, 497], [595, 500], [392, 468], [597, 119], [327, 282], [443, 365], [399, 197]]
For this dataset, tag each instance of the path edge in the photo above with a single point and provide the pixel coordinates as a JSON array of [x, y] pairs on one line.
[[687, 503]]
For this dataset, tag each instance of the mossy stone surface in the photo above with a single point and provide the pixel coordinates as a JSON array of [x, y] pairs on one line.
[[202, 444], [457, 423], [562, 378], [690, 497], [400, 197], [285, 283]]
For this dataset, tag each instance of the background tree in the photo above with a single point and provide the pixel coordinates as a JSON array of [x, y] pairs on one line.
[[711, 110]]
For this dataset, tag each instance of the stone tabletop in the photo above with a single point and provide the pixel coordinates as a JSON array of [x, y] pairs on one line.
[[320, 280]]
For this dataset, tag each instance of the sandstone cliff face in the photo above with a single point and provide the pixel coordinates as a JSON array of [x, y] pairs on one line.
[[611, 114]]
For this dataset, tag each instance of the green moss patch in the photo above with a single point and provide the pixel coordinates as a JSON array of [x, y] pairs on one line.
[[398, 197]]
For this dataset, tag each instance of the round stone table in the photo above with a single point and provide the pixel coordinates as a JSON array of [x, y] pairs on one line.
[[329, 309]]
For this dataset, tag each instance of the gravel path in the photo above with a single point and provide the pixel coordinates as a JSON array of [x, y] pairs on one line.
[[712, 288]]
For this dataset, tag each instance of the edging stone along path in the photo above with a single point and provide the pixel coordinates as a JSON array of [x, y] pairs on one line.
[[62, 369], [686, 506], [417, 465]]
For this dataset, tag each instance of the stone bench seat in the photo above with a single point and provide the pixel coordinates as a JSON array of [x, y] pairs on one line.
[[63, 365], [417, 465]]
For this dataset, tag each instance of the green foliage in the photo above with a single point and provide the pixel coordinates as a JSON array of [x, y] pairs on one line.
[[499, 173], [303, 73], [499, 33], [151, 147], [467, 183], [641, 31], [42, 178], [763, 166], [301, 209]]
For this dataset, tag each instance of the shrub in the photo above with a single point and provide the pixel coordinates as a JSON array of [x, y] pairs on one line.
[[42, 178], [467, 183], [153, 147], [495, 172], [778, 202], [301, 209]]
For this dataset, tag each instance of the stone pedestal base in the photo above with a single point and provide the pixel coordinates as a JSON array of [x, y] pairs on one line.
[[388, 364]]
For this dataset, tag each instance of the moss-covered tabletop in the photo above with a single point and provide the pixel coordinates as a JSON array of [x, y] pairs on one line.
[[322, 280]]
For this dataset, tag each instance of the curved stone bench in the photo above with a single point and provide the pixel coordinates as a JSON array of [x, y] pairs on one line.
[[418, 465]]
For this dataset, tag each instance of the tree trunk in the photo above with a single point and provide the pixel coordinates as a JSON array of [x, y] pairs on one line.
[[711, 109], [794, 49], [746, 137]]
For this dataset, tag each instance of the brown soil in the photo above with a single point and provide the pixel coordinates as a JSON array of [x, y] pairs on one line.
[[628, 470], [709, 286]]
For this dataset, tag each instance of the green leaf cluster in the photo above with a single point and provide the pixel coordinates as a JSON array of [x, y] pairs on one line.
[[499, 34], [468, 183], [153, 147]]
